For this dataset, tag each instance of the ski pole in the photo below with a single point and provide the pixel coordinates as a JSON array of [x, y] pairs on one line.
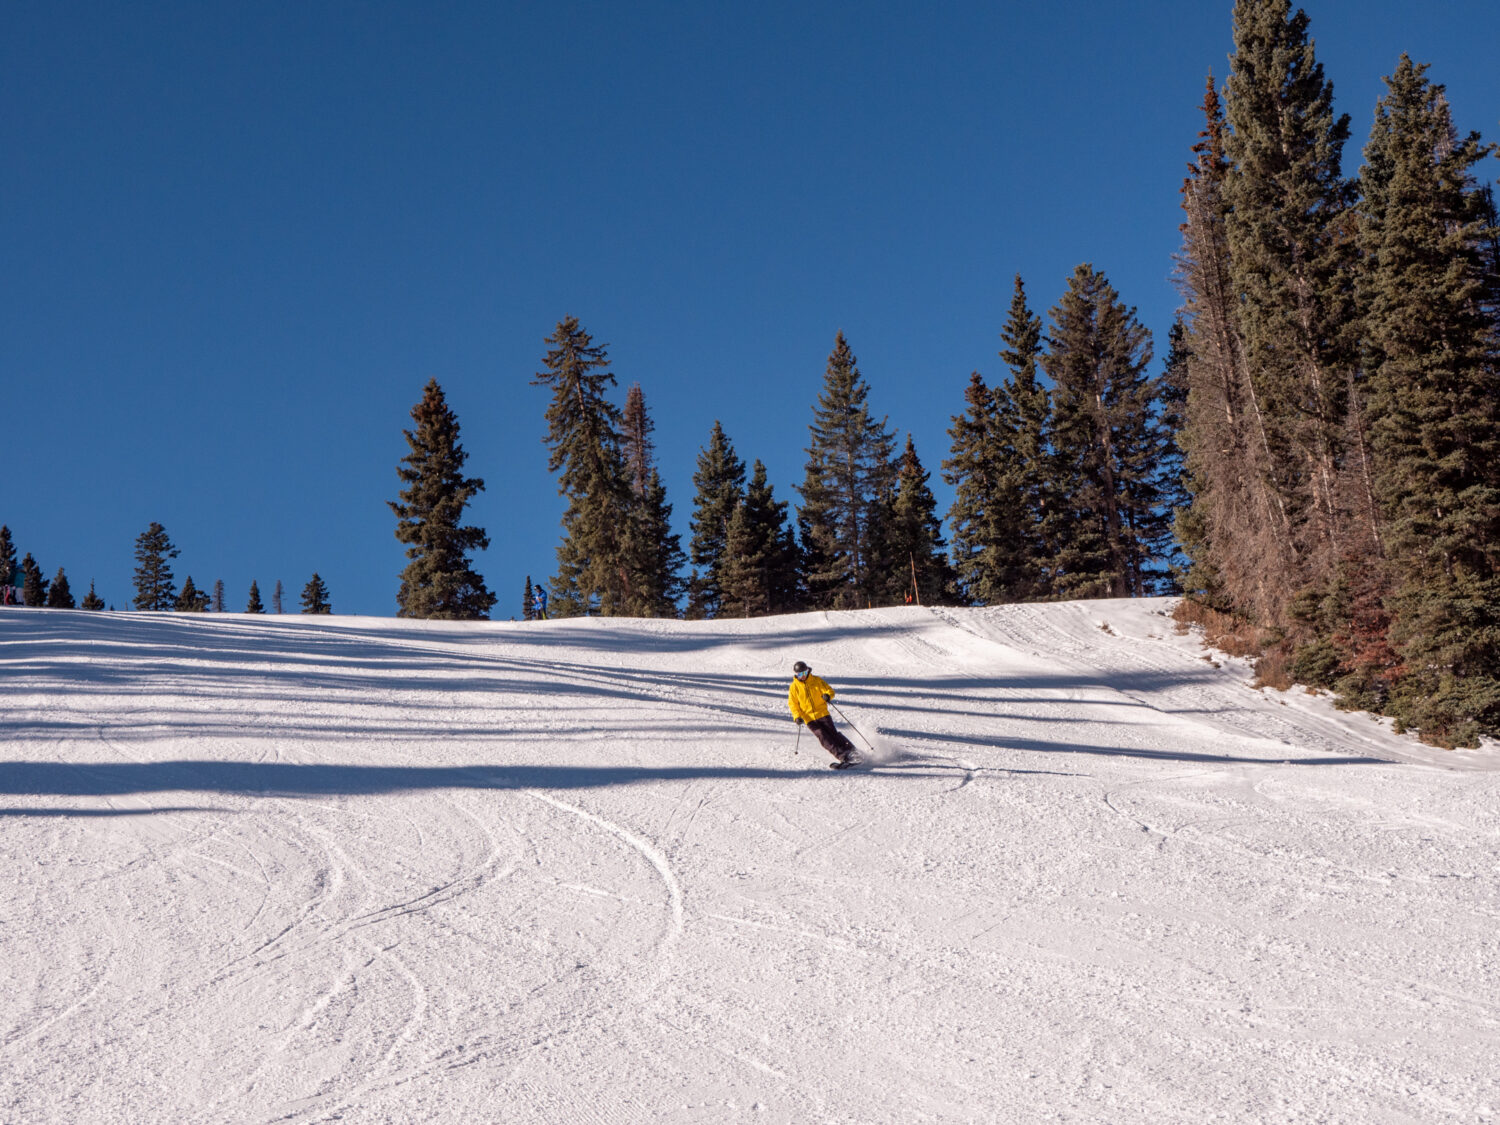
[[846, 719], [798, 743]]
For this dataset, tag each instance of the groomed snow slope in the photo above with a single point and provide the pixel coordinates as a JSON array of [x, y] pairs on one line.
[[286, 869]]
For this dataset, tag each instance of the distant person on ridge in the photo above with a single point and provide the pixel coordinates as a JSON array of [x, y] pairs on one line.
[[540, 598], [808, 697]]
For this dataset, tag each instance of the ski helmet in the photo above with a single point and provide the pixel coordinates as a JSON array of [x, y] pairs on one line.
[[800, 668]]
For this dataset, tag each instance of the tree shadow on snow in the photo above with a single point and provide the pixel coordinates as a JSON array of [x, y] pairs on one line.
[[287, 779]]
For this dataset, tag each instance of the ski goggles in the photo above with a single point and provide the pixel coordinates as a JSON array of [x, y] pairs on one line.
[[803, 675]]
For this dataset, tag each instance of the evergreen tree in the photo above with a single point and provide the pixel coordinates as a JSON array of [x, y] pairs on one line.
[[983, 527], [720, 481], [315, 596], [1176, 495], [583, 434], [1290, 257], [638, 448], [276, 596], [1432, 354], [653, 552], [919, 569], [9, 567], [192, 599], [1025, 408], [59, 596], [849, 477], [1108, 443], [155, 588], [528, 601], [760, 564], [92, 601], [253, 605], [1235, 529], [999, 464], [439, 581], [218, 603], [33, 585]]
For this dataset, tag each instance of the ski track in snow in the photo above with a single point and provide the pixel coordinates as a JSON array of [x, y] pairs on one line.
[[370, 870]]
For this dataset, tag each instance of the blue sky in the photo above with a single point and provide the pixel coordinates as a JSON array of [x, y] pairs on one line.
[[236, 240]]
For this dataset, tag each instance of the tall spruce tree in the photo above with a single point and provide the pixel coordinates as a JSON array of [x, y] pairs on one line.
[[91, 600], [1432, 354], [1235, 528], [760, 564], [635, 440], [315, 596], [155, 588], [1290, 257], [1107, 442], [192, 599], [254, 604], [218, 602], [59, 596], [276, 597], [653, 552], [439, 582], [33, 585], [720, 481], [918, 569], [984, 528], [849, 477], [8, 564], [528, 600], [583, 434], [999, 465]]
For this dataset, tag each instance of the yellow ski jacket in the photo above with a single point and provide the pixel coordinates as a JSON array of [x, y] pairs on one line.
[[805, 698]]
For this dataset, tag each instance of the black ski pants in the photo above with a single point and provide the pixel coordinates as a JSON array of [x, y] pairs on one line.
[[829, 737]]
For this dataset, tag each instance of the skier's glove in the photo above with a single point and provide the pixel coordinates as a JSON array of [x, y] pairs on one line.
[[798, 720], [828, 699]]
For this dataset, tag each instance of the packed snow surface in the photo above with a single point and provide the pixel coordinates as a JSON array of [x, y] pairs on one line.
[[294, 869]]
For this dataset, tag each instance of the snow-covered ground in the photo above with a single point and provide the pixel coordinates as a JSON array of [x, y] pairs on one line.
[[286, 869]]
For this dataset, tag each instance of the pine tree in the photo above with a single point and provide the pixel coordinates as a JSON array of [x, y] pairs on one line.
[[59, 596], [919, 569], [653, 555], [315, 596], [637, 446], [439, 582], [583, 433], [9, 567], [1107, 442], [760, 564], [528, 601], [253, 605], [92, 601], [1290, 257], [192, 599], [999, 464], [1235, 529], [276, 596], [720, 481], [1176, 497], [33, 585], [218, 603], [983, 527], [1432, 354], [155, 588], [849, 476]]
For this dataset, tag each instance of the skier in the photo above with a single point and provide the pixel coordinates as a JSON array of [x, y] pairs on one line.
[[540, 600], [808, 697]]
